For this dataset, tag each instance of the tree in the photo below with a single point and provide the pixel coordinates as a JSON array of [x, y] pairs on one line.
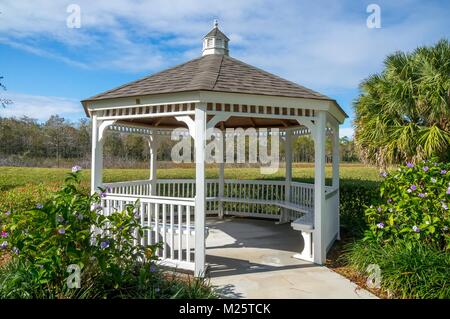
[[4, 102], [403, 113], [347, 149]]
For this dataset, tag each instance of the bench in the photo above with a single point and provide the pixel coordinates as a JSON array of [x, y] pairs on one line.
[[305, 225]]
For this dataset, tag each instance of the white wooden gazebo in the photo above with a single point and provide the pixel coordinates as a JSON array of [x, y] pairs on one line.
[[217, 91]]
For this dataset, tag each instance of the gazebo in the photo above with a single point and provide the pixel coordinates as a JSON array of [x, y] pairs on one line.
[[218, 91]]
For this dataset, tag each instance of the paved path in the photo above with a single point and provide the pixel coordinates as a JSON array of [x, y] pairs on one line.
[[252, 258]]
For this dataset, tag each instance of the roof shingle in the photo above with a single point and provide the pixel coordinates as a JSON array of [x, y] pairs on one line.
[[212, 73]]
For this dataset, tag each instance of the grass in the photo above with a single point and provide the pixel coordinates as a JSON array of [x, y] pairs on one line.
[[12, 177], [407, 270]]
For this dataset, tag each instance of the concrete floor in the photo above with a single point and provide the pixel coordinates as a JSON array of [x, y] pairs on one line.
[[250, 258]]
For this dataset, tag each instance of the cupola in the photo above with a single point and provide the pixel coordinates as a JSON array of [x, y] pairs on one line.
[[215, 42]]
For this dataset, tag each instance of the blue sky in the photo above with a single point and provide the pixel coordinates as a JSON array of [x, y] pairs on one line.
[[324, 45]]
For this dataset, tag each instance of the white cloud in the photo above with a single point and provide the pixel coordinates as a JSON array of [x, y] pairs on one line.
[[322, 45], [41, 107]]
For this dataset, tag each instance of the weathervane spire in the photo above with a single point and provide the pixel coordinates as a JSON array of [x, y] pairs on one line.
[[216, 23]]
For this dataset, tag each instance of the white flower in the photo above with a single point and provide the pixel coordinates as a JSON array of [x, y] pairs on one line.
[[433, 180], [409, 190]]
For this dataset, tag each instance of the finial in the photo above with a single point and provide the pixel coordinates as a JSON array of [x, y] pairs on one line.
[[216, 23]]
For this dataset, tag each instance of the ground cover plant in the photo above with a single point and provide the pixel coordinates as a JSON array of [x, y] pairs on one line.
[[65, 234]]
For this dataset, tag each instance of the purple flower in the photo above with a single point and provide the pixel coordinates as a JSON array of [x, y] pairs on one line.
[[104, 244], [4, 245], [384, 174], [379, 209], [103, 194], [433, 180], [425, 168], [410, 165], [4, 234], [389, 200], [39, 206], [421, 195], [444, 206], [61, 231], [7, 213], [448, 191], [76, 168], [416, 229], [16, 250], [413, 187], [380, 225], [443, 172], [97, 207], [153, 268]]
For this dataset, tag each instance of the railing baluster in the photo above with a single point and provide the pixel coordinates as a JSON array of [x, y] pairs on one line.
[[164, 250], [172, 235], [157, 226], [149, 221], [188, 233], [180, 233]]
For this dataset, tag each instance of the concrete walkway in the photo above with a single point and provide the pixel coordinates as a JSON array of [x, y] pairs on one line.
[[252, 258]]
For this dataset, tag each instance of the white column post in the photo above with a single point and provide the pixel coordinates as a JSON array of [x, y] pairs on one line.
[[222, 176], [153, 145], [97, 155], [288, 178], [335, 183], [319, 189], [288, 155], [200, 195]]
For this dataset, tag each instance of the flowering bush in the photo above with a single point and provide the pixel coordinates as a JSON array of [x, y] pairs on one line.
[[68, 229], [416, 201]]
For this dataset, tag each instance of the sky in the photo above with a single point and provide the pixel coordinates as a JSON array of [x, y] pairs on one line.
[[327, 46]]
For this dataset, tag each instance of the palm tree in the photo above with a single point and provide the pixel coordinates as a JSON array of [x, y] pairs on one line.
[[403, 113]]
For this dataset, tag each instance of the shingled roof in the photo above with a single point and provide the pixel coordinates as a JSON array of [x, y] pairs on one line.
[[213, 72]]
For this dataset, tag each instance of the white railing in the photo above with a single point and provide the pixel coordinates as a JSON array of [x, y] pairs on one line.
[[302, 194], [257, 198], [168, 220], [139, 188]]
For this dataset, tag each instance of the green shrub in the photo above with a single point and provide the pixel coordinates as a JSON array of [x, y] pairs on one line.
[[416, 201], [354, 195], [408, 270], [68, 230]]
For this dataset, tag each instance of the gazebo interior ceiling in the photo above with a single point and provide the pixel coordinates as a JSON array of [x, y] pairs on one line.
[[231, 122]]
